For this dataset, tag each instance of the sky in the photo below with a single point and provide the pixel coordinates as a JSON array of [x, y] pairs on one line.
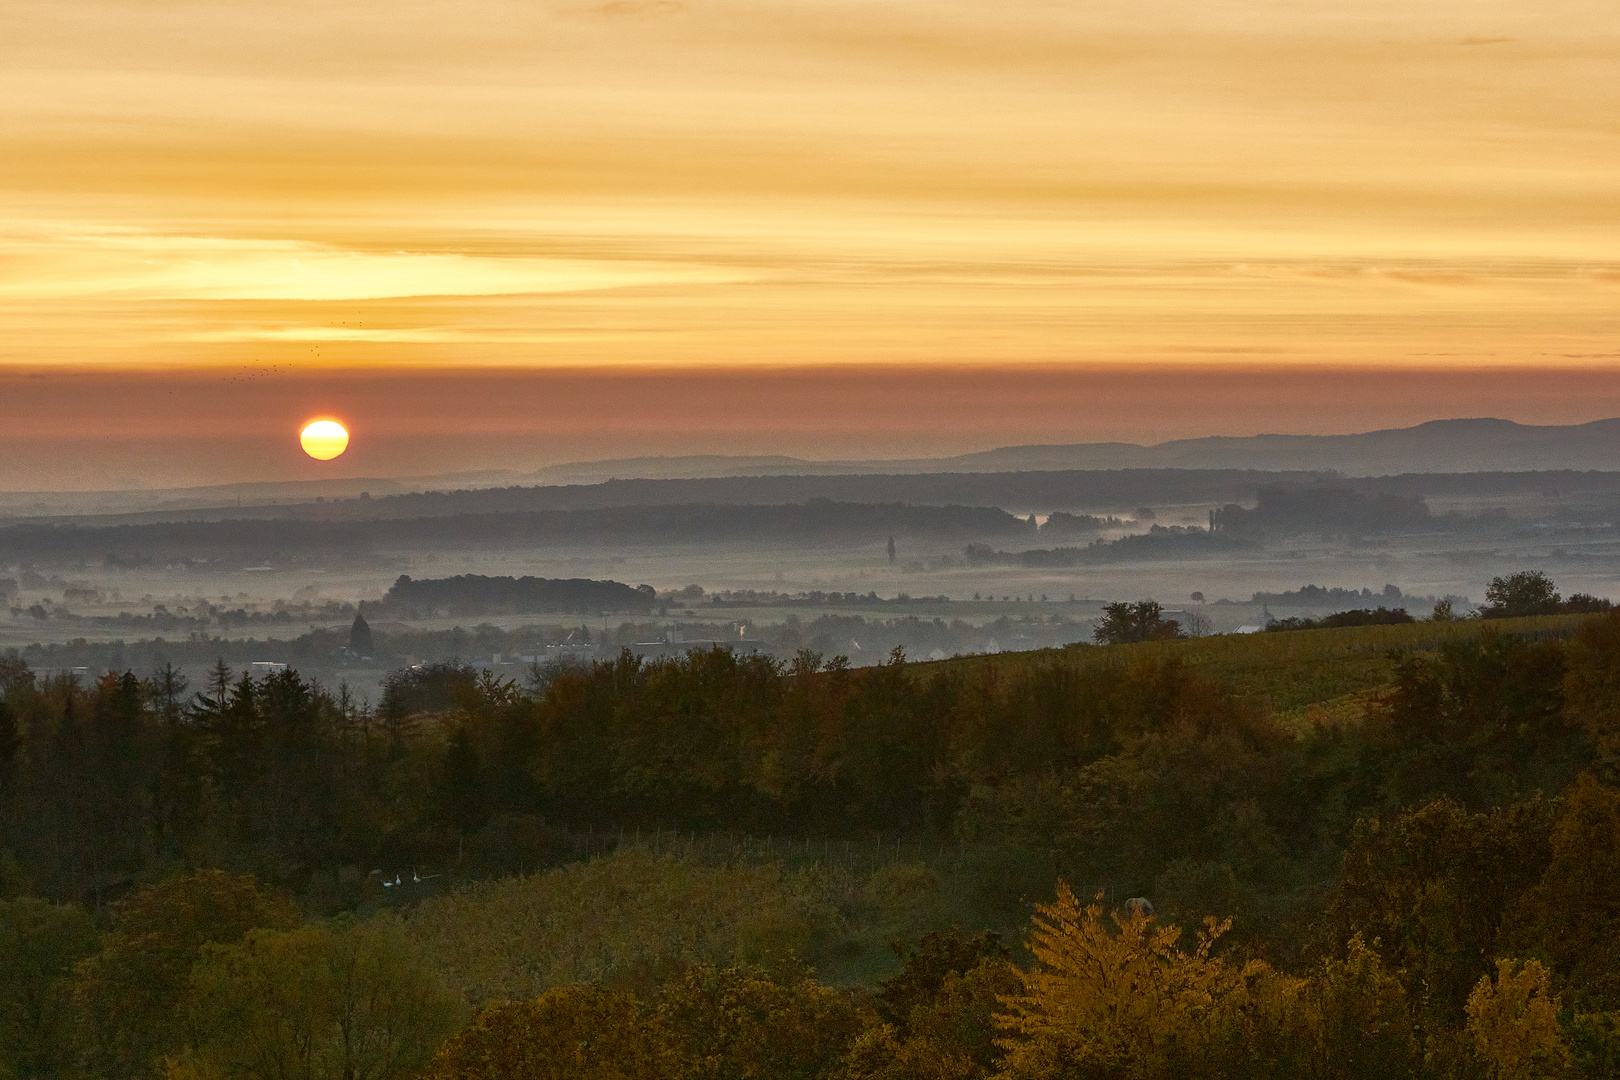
[[503, 234]]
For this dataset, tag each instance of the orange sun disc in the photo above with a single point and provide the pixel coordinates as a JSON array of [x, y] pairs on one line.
[[324, 440]]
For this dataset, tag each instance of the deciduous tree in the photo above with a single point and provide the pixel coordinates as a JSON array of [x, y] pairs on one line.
[[345, 1000], [129, 994], [39, 944]]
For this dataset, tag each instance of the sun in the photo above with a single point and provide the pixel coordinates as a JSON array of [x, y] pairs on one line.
[[324, 440]]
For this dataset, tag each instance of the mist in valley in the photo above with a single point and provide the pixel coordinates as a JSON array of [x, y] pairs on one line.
[[941, 568]]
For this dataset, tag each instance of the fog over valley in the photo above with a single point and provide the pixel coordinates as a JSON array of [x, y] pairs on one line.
[[849, 564]]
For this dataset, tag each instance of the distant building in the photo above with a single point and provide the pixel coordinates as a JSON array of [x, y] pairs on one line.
[[266, 667], [572, 650], [676, 643]]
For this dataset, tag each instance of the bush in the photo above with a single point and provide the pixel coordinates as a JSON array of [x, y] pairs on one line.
[[1514, 1024], [1572, 914], [1131, 1004], [129, 994], [339, 1001], [570, 1033], [1123, 623], [39, 945], [1530, 592], [739, 1022], [1359, 617], [630, 916], [940, 1010]]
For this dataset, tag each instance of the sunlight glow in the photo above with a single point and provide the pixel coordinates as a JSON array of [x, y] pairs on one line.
[[324, 440]]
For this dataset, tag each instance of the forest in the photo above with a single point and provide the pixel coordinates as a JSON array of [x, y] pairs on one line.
[[1361, 851], [758, 510], [827, 633], [1061, 487], [1159, 542], [1053, 487], [1330, 508], [246, 539], [478, 593]]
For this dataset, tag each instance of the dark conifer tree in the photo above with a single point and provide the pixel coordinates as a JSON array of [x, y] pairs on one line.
[[120, 759], [219, 682], [167, 688], [10, 740], [360, 642], [462, 792]]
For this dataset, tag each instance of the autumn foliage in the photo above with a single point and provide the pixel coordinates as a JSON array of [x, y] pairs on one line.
[[1363, 862]]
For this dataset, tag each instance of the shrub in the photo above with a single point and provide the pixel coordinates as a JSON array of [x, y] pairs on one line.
[[345, 1000], [1514, 1024]]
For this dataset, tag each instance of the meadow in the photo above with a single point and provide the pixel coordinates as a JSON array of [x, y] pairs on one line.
[[1288, 673]]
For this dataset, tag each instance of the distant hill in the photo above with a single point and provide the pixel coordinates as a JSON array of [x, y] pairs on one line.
[[1033, 492], [251, 542], [1478, 456], [268, 493], [1118, 491], [1468, 445]]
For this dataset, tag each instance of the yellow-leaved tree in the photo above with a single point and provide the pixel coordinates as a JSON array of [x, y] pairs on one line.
[[345, 1000], [570, 1033], [1514, 1024], [1129, 1004]]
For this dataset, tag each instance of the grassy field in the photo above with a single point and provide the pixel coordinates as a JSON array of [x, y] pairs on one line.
[[1293, 671], [640, 911]]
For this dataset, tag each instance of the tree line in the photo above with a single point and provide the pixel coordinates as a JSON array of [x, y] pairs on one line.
[[1159, 542], [814, 521], [471, 593], [1117, 767]]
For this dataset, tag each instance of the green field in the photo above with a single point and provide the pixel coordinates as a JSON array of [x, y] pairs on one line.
[[1290, 671]]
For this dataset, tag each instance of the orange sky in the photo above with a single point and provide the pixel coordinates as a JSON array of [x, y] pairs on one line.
[[177, 429], [280, 189]]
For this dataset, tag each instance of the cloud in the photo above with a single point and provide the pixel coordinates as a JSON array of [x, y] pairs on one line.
[[804, 181], [135, 265], [638, 9]]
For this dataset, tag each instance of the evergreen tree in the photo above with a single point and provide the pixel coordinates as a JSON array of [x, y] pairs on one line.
[[219, 682], [360, 643], [462, 792]]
